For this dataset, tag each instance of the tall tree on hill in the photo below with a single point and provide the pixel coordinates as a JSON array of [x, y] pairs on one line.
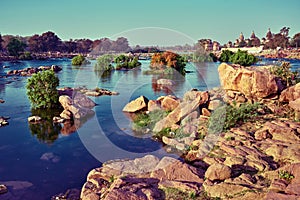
[[35, 43]]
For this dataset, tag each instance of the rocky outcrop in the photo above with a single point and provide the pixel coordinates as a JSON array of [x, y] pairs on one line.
[[290, 94], [254, 83], [79, 107], [136, 105], [31, 70], [166, 82], [141, 178]]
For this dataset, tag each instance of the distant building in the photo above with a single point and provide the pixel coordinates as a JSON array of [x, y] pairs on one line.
[[269, 35], [216, 46]]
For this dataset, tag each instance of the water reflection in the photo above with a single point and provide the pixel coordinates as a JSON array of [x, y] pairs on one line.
[[45, 131], [104, 76]]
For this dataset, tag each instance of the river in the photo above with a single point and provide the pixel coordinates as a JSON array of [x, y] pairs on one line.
[[39, 161]]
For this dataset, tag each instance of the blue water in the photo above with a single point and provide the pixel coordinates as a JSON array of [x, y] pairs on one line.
[[53, 160]]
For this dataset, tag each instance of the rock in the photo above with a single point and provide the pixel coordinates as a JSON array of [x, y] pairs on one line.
[[66, 115], [58, 120], [281, 153], [275, 196], [83, 101], [193, 94], [223, 190], [134, 188], [218, 172], [34, 119], [70, 194], [3, 121], [3, 189], [278, 131], [2, 101], [55, 68], [205, 112], [153, 105], [136, 105], [93, 93], [290, 94], [181, 111], [165, 82], [175, 170], [169, 103], [234, 160], [137, 166], [254, 83], [295, 105], [79, 108]]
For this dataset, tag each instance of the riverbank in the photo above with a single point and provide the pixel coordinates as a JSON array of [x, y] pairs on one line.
[[255, 157]]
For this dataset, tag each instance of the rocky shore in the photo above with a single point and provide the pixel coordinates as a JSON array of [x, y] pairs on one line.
[[241, 141]]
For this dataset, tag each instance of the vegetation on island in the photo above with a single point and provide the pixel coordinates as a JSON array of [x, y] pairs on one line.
[[240, 57], [104, 63], [126, 62], [78, 60], [167, 59], [41, 89]]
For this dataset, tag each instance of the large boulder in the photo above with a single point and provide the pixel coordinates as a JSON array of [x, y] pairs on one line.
[[136, 105], [254, 83], [169, 103], [290, 94], [78, 109], [218, 172]]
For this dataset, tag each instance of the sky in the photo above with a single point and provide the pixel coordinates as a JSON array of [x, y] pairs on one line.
[[151, 22]]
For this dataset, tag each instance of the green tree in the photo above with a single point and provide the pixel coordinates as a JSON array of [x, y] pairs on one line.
[[126, 62], [15, 46], [296, 40], [78, 60], [41, 89], [104, 63]]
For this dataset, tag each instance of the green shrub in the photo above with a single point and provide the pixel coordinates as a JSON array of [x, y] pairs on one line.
[[144, 121], [78, 60], [243, 58], [240, 57], [104, 63], [225, 55], [126, 62], [285, 175], [41, 89], [285, 74], [227, 116]]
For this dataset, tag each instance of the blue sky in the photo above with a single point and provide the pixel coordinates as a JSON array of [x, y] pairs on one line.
[[220, 20]]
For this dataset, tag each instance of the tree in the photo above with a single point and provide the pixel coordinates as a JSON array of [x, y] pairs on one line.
[[35, 43], [15, 46], [78, 60], [41, 89], [296, 40], [120, 45], [126, 62], [225, 55], [50, 42], [168, 59], [285, 31], [104, 63]]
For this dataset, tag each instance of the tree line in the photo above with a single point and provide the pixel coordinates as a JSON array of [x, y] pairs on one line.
[[50, 42]]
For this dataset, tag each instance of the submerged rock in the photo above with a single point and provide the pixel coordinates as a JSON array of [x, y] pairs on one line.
[[3, 189]]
